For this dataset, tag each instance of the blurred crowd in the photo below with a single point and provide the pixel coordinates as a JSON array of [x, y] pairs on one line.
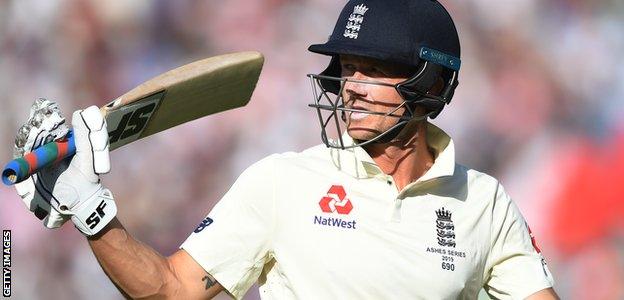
[[540, 106]]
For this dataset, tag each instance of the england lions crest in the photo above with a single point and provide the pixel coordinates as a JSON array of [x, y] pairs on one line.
[[445, 228]]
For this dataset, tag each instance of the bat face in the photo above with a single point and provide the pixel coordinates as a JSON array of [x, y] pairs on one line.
[[189, 92]]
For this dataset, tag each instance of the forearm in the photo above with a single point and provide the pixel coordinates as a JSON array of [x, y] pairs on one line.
[[135, 268]]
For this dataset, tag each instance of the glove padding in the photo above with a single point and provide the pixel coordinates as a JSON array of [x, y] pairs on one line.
[[72, 188], [45, 124]]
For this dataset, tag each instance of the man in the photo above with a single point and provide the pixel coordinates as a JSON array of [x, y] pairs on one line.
[[382, 211]]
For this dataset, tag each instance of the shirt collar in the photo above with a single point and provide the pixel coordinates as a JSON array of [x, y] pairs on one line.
[[358, 163]]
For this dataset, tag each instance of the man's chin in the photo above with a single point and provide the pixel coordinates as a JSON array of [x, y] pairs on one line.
[[362, 134]]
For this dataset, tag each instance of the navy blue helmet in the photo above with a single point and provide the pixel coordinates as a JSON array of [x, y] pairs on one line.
[[416, 33]]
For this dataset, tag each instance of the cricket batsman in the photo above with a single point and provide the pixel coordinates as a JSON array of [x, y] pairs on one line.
[[381, 211]]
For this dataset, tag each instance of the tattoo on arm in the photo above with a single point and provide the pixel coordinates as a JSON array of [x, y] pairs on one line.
[[209, 281]]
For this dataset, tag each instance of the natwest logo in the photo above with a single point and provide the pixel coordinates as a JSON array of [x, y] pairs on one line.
[[336, 201]]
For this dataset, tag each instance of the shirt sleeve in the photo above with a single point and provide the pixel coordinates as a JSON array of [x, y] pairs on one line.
[[233, 242], [515, 266]]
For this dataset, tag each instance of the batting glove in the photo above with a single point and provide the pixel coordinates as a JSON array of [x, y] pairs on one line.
[[72, 189], [45, 124]]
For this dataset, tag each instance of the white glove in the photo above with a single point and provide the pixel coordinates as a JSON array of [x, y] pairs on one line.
[[45, 124], [74, 189]]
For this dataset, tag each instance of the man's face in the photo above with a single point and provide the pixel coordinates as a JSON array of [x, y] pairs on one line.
[[371, 97]]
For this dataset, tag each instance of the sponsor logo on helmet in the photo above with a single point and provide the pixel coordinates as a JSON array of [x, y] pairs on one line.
[[355, 22]]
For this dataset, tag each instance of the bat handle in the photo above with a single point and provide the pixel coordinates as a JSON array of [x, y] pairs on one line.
[[21, 168]]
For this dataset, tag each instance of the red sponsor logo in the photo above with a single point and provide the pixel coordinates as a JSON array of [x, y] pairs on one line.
[[336, 201], [533, 241]]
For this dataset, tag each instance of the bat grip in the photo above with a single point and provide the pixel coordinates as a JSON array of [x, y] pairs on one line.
[[21, 168]]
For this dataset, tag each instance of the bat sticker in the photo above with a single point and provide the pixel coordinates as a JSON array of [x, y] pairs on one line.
[[126, 123]]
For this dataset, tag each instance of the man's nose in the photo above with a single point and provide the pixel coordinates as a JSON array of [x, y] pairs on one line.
[[356, 88]]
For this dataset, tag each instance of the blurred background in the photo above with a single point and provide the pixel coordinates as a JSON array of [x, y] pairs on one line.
[[540, 106]]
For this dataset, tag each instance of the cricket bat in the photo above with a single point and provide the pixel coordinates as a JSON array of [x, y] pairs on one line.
[[198, 89]]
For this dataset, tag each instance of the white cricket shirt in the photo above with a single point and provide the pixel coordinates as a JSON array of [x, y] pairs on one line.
[[328, 224]]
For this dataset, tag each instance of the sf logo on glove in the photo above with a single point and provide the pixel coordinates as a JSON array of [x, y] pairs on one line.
[[95, 218]]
